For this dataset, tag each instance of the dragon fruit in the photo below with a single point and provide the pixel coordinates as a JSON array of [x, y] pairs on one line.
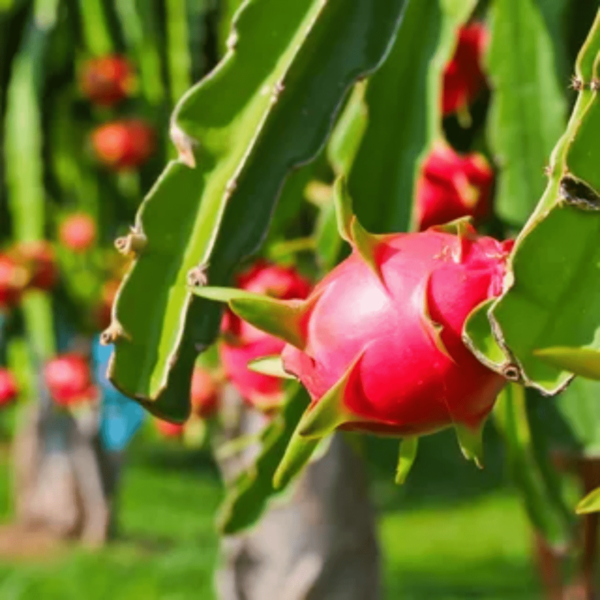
[[243, 343], [378, 342], [38, 259], [69, 380], [9, 389], [463, 76], [168, 429], [123, 145], [452, 186], [107, 80], [78, 232]]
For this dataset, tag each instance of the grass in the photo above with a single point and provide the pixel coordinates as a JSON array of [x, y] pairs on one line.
[[439, 542]]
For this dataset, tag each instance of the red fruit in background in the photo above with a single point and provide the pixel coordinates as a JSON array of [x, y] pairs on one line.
[[78, 232], [389, 358], [9, 389], [452, 186], [244, 342], [123, 144], [167, 429], [107, 80], [39, 261], [261, 391], [13, 279], [463, 76], [204, 393], [69, 379]]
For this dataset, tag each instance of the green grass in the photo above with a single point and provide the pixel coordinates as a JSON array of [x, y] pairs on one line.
[[439, 543]]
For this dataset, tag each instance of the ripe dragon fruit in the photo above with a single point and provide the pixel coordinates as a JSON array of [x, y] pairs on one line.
[[452, 186], [378, 343], [123, 145], [107, 80], [243, 342], [463, 76], [78, 232], [205, 394], [9, 389], [69, 380]]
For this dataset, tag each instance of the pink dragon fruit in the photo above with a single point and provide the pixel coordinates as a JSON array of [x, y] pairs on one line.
[[378, 342], [452, 186], [385, 349], [242, 342]]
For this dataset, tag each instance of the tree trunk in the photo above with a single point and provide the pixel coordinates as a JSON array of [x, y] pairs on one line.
[[63, 483], [317, 544]]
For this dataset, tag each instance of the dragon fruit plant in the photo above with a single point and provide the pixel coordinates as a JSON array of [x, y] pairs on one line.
[[423, 325], [423, 112]]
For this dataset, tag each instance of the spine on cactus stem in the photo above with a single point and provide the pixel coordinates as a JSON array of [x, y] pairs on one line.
[[378, 342]]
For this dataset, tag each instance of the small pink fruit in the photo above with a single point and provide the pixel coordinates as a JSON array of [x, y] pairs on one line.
[[452, 186], [9, 390], [204, 394], [463, 76], [244, 342], [107, 80], [168, 429], [13, 279], [123, 145], [78, 232], [69, 379]]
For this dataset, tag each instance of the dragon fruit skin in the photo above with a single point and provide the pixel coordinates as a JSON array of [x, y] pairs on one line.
[[244, 343], [452, 186], [396, 341]]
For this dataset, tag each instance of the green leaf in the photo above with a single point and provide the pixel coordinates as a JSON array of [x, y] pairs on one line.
[[528, 462], [95, 27], [580, 411], [349, 130], [580, 361], [589, 504], [406, 458], [260, 113], [247, 498], [471, 443], [403, 103], [527, 113], [178, 48], [23, 147], [281, 318], [270, 365], [138, 21], [553, 293]]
